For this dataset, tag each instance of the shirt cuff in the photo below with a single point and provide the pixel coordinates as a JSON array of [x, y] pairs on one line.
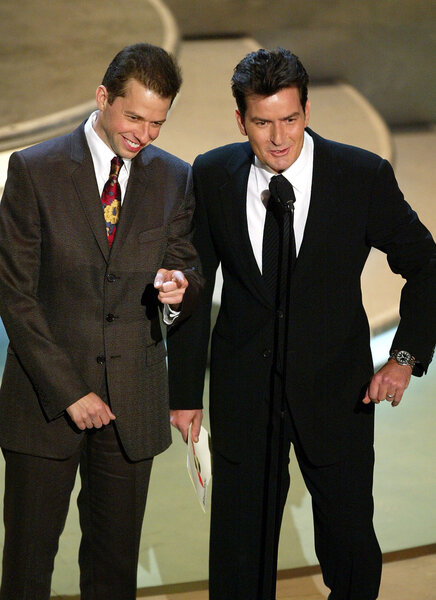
[[169, 315]]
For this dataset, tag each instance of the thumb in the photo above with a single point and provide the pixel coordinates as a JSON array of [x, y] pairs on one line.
[[110, 413], [366, 399], [196, 426]]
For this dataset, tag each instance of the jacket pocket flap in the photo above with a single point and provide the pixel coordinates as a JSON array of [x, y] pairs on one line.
[[155, 353], [151, 235]]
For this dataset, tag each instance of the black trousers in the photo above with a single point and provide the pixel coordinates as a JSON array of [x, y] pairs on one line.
[[242, 538], [111, 506]]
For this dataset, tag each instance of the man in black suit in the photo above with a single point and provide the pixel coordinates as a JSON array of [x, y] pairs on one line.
[[85, 381], [294, 366]]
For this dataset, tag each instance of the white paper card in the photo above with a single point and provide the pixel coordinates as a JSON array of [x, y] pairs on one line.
[[199, 465]]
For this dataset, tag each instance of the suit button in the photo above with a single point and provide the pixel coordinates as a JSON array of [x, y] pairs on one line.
[[110, 317], [110, 277], [101, 360], [280, 314], [266, 353]]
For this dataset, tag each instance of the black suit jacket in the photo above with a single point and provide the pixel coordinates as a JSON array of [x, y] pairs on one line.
[[355, 204], [75, 311]]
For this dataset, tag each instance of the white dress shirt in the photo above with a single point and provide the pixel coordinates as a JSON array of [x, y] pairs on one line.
[[299, 174], [102, 156]]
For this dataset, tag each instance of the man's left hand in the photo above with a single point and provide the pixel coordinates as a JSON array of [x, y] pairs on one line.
[[181, 420], [171, 285], [389, 383]]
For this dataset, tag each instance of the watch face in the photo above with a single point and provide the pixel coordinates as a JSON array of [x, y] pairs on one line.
[[403, 357]]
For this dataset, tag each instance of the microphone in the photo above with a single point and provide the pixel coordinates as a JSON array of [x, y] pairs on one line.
[[282, 192]]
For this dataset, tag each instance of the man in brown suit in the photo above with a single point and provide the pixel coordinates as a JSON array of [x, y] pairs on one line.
[[85, 381]]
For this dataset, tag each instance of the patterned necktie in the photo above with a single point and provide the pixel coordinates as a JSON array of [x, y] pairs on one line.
[[111, 199], [278, 235]]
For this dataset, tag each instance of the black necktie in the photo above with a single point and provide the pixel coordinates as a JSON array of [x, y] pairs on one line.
[[278, 236]]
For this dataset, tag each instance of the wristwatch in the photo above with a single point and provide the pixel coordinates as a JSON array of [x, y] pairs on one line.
[[403, 357]]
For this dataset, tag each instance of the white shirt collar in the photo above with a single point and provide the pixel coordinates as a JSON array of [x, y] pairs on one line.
[[101, 153]]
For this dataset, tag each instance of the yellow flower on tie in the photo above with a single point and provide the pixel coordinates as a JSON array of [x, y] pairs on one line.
[[112, 212]]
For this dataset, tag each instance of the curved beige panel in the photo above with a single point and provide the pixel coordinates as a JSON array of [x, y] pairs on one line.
[[27, 132]]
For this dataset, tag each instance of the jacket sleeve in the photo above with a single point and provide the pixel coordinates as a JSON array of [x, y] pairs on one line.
[[48, 366], [188, 341], [181, 253], [395, 228]]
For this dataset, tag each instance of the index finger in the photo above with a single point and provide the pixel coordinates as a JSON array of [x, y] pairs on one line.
[[179, 278]]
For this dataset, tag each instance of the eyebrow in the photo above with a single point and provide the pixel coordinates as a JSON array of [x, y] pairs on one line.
[[294, 114], [130, 113]]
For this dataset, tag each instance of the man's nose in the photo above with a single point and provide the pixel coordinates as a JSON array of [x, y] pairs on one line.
[[277, 134], [143, 134]]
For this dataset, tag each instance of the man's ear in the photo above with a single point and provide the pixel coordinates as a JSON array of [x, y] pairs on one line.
[[101, 97], [240, 121], [307, 113]]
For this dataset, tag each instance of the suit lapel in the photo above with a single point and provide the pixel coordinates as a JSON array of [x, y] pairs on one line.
[[322, 210], [234, 203], [133, 202], [84, 181], [83, 177]]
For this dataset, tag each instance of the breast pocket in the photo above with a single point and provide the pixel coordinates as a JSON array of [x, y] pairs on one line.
[[151, 235]]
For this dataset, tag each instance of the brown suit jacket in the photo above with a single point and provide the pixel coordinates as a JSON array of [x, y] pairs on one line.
[[78, 314]]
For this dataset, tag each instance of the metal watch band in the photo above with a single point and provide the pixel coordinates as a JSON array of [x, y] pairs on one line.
[[403, 357]]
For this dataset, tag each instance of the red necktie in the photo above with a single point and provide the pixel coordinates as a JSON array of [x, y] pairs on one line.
[[111, 199]]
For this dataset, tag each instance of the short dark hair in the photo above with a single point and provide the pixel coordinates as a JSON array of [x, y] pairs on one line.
[[150, 65], [265, 72]]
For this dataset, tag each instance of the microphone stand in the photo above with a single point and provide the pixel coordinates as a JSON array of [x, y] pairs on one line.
[[283, 210]]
